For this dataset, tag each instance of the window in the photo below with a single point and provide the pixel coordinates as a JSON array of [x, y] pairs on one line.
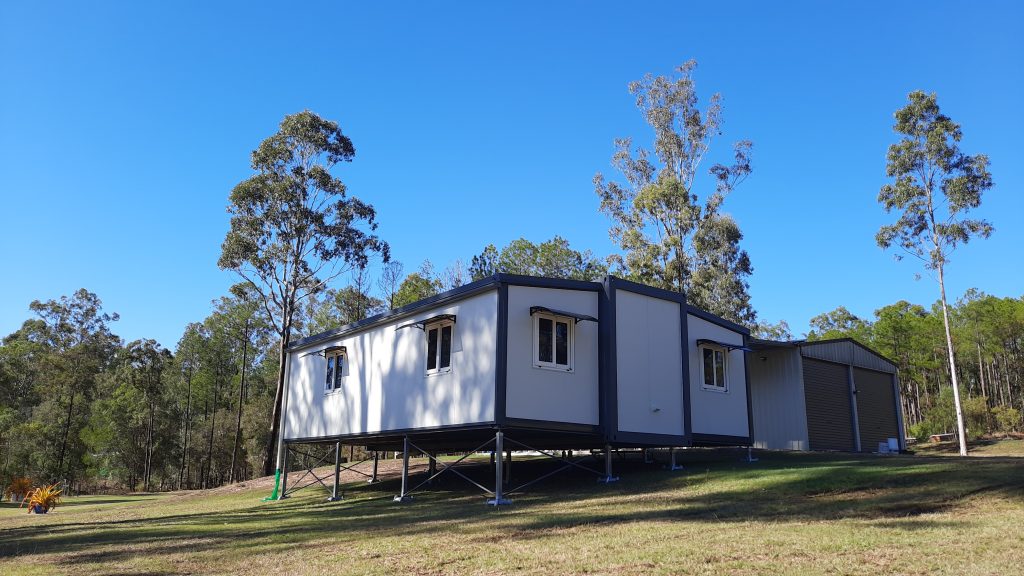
[[439, 346], [336, 366], [712, 367], [552, 348]]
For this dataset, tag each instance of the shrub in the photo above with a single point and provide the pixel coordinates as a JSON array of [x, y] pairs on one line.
[[44, 497], [18, 488], [1007, 419]]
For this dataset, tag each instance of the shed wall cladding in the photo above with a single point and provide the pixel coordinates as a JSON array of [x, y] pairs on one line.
[[386, 387], [876, 408], [649, 364], [545, 394], [829, 412], [777, 400], [714, 412]]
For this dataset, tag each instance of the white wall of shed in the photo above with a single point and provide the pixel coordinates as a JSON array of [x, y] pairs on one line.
[[544, 394], [777, 399], [649, 364], [386, 387], [714, 412]]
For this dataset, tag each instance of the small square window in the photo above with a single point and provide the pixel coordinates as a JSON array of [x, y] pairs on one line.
[[337, 364], [553, 342], [713, 368], [439, 346]]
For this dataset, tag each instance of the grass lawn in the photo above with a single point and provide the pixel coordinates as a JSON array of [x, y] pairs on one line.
[[786, 514]]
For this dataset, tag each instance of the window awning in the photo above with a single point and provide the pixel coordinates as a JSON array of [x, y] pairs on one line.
[[578, 317], [727, 346], [326, 351], [421, 324]]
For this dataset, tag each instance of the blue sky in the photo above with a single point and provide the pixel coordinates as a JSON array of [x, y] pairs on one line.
[[123, 128]]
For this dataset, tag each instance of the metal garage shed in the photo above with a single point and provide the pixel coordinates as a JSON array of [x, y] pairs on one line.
[[824, 395]]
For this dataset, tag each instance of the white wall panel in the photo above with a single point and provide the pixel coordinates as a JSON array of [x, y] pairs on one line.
[[714, 412], [386, 386]]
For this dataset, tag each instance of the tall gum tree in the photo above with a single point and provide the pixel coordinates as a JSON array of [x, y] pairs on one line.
[[934, 186], [294, 229], [671, 236]]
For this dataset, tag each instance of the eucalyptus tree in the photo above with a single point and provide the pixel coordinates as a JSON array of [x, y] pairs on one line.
[[934, 186], [672, 236], [75, 333], [553, 258], [188, 362], [390, 278], [294, 228]]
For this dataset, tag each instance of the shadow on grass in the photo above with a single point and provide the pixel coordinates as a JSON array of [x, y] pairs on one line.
[[892, 492]]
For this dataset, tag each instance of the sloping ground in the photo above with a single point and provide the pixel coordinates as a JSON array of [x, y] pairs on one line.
[[786, 514]]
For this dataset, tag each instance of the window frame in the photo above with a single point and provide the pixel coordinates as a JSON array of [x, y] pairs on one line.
[[724, 388], [570, 323], [338, 376], [439, 326]]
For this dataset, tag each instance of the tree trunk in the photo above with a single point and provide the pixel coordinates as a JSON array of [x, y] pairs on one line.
[[241, 398], [186, 430], [213, 426], [269, 459], [961, 432], [149, 450], [67, 430]]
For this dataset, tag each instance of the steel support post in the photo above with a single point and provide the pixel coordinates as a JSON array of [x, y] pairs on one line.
[[431, 466], [405, 471], [750, 456], [508, 466], [337, 473], [284, 474], [499, 477], [608, 478], [672, 460], [373, 477]]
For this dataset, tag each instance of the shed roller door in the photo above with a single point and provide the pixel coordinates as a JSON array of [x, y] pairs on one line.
[[876, 408], [829, 413]]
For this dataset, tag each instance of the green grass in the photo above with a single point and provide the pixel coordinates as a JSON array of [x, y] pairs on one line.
[[786, 514], [984, 447]]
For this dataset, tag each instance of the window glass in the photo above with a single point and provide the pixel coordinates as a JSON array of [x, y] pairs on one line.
[[432, 349], [544, 337], [719, 368], [330, 372], [446, 346], [339, 371], [562, 343], [709, 366]]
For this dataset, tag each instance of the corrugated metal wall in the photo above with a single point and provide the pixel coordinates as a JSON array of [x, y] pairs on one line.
[[846, 352], [777, 400], [829, 412], [876, 408]]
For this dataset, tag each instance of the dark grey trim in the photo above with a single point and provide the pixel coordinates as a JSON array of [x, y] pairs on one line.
[[422, 324], [726, 345], [684, 328], [541, 282], [553, 426], [460, 293], [750, 404], [645, 290], [644, 438], [607, 364], [720, 440], [578, 317], [899, 412], [501, 358], [453, 295], [717, 320], [391, 433]]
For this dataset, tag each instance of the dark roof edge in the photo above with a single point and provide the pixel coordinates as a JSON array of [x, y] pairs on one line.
[[705, 315], [852, 340], [453, 295]]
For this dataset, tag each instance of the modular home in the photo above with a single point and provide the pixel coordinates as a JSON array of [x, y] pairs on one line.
[[551, 363]]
